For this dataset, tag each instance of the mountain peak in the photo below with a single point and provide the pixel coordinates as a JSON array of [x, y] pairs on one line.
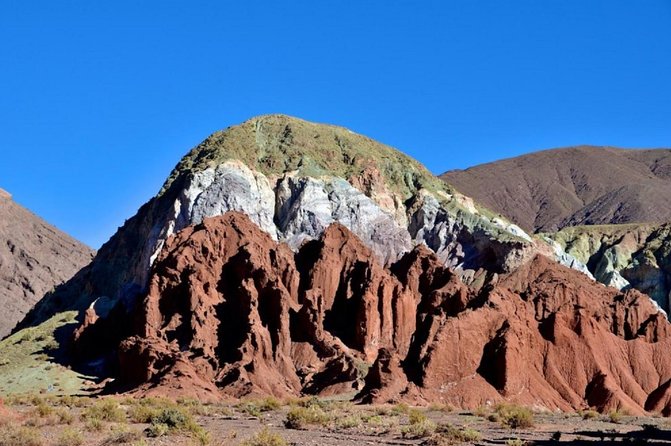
[[277, 144], [582, 185], [5, 194]]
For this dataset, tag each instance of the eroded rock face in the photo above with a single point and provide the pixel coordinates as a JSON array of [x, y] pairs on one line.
[[232, 312], [229, 305], [542, 336], [624, 256]]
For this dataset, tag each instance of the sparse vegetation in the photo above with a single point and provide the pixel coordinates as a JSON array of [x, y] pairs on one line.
[[265, 438], [157, 430], [481, 411], [420, 426], [401, 408], [416, 416], [299, 417], [588, 414], [418, 430], [107, 409], [615, 416], [256, 407], [447, 434], [515, 417], [350, 421], [12, 435], [64, 416], [445, 408], [64, 421], [70, 437], [26, 368], [175, 419], [140, 413], [94, 425], [122, 436]]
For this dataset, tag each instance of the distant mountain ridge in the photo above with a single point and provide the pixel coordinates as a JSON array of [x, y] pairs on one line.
[[35, 257], [551, 189]]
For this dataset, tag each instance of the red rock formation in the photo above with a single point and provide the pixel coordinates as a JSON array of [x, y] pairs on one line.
[[230, 306], [543, 336], [231, 312]]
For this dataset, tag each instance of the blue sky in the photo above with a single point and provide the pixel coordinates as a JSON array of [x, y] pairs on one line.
[[101, 99]]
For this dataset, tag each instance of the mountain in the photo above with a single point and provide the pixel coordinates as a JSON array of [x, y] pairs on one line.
[[35, 257], [624, 256], [293, 179], [230, 311], [286, 257], [552, 189]]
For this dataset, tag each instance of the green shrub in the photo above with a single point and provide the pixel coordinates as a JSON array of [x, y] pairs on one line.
[[588, 414], [193, 405], [269, 404], [481, 411], [70, 437], [250, 409], [265, 438], [105, 410], [447, 434], [416, 416], [64, 416], [43, 410], [176, 419], [401, 408], [12, 435], [313, 401], [94, 425], [142, 414], [420, 429], [446, 408], [349, 422], [615, 416], [300, 417], [515, 417], [173, 417], [157, 430], [121, 434], [374, 420]]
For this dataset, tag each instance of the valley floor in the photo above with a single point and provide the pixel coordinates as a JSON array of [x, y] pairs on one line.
[[68, 421]]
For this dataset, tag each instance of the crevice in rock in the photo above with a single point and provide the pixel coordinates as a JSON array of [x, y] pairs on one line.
[[493, 363]]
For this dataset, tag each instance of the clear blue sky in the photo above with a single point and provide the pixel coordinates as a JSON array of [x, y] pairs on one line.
[[99, 100]]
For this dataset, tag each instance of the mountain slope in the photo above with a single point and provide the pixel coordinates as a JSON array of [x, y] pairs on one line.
[[624, 256], [35, 257], [552, 189]]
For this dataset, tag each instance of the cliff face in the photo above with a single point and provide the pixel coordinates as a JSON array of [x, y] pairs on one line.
[[230, 311], [551, 189], [35, 257], [624, 256]]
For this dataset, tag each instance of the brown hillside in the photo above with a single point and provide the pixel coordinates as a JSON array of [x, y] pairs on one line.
[[551, 189], [34, 258]]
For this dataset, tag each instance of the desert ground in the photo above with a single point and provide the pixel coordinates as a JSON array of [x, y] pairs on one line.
[[76, 421]]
